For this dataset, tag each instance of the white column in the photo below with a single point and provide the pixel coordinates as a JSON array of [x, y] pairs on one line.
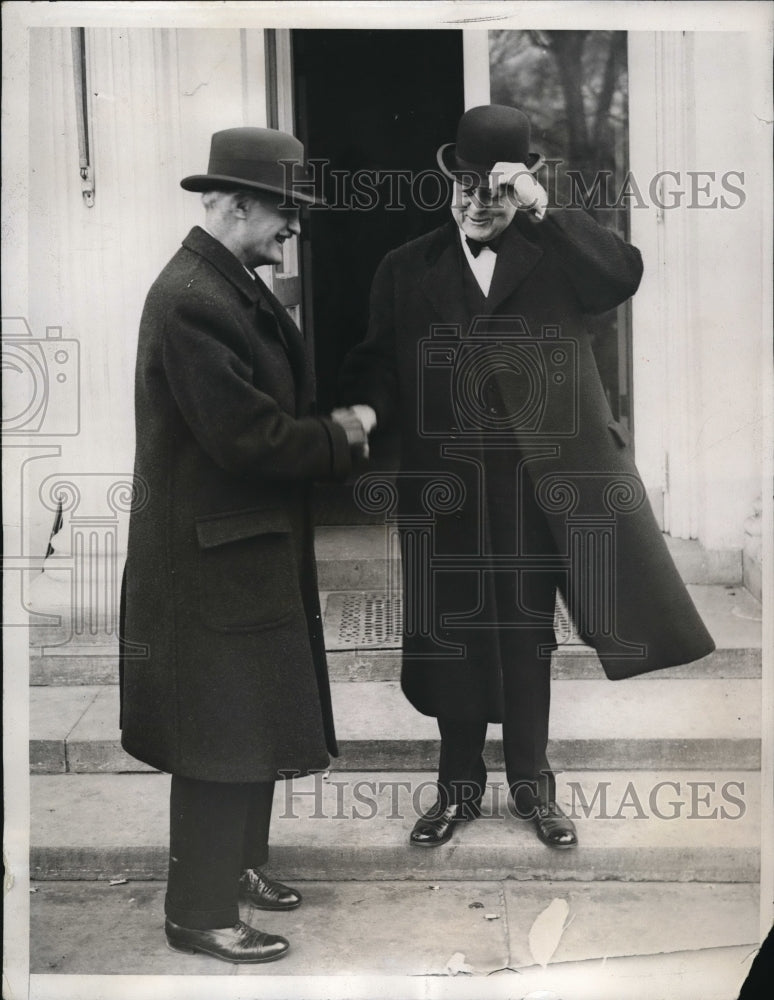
[[698, 159], [732, 315], [475, 67], [665, 346], [674, 63]]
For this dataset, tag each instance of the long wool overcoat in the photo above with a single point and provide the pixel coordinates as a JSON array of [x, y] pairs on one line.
[[223, 672], [502, 414]]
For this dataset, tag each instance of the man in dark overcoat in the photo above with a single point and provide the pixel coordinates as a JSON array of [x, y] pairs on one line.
[[515, 480], [223, 674]]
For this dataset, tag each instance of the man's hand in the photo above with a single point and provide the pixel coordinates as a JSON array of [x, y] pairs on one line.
[[366, 415], [527, 192], [357, 438]]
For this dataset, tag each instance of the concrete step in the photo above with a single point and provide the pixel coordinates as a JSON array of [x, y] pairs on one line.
[[353, 557], [371, 663], [594, 724], [391, 928], [349, 557], [644, 826], [732, 615]]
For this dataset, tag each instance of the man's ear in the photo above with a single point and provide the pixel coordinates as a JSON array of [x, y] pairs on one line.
[[240, 203]]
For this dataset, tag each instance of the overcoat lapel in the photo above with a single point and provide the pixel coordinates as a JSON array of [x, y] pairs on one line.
[[516, 257], [293, 339], [257, 292], [442, 281], [223, 260]]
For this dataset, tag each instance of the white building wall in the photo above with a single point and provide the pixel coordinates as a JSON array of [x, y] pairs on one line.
[[155, 97], [732, 284], [698, 319]]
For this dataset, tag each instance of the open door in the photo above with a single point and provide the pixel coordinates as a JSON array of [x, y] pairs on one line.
[[372, 108]]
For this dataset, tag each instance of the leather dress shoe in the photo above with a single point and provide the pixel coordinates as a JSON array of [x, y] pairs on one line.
[[236, 944], [436, 826], [554, 828], [265, 894]]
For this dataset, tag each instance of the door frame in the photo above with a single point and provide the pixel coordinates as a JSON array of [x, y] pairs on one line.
[[286, 281]]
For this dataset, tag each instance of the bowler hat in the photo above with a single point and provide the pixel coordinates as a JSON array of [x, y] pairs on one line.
[[487, 135], [262, 158]]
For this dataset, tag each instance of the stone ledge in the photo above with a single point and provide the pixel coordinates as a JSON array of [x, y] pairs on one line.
[[354, 826], [594, 724]]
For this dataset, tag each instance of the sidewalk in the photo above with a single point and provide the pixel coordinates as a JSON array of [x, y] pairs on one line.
[[476, 932]]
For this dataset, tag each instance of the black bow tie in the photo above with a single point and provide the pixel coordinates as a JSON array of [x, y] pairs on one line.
[[476, 246]]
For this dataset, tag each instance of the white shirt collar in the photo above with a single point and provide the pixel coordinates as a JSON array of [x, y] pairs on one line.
[[482, 266]]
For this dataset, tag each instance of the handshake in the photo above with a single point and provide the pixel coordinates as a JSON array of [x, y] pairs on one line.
[[357, 421]]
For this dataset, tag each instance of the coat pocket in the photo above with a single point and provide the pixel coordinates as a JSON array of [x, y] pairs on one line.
[[247, 575]]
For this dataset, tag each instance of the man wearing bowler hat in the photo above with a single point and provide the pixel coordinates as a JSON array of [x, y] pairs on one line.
[[223, 676], [515, 480]]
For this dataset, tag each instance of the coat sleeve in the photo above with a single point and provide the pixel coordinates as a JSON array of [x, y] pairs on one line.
[[208, 365], [369, 374], [603, 269]]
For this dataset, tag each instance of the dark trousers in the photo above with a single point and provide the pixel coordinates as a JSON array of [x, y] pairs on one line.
[[217, 829], [462, 772]]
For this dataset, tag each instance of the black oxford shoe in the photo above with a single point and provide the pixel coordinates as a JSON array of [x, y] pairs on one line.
[[236, 944], [265, 894], [436, 826], [554, 828]]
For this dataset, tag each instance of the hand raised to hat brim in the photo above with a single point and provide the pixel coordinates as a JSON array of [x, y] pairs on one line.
[[526, 191]]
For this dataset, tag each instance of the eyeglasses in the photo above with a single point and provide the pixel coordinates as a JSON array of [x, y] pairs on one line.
[[483, 195]]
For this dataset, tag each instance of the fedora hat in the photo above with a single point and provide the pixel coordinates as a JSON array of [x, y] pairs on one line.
[[487, 135], [261, 158]]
